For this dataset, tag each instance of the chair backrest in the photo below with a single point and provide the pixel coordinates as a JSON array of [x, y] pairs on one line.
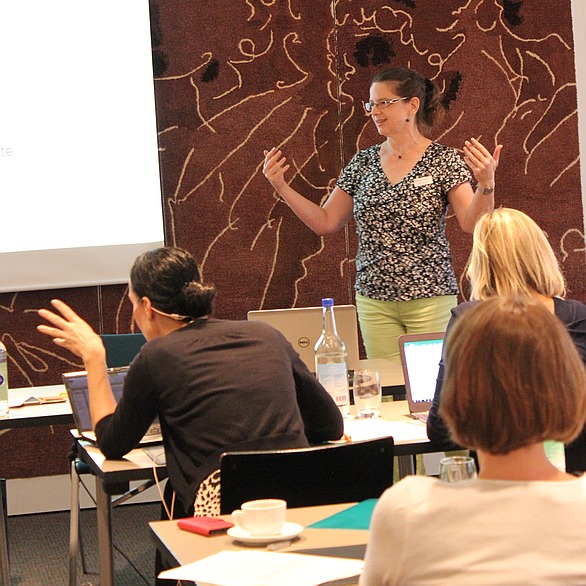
[[121, 348], [329, 474]]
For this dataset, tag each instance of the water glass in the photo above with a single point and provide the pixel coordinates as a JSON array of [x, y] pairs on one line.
[[367, 393], [457, 468]]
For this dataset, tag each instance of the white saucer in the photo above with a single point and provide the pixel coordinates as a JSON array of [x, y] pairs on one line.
[[288, 531]]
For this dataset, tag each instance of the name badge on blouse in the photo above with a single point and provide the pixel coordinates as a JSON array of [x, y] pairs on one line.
[[419, 181]]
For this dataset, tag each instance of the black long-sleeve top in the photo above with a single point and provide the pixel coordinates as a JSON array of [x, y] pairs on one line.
[[216, 385]]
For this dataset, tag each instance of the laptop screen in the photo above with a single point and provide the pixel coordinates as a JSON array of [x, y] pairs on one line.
[[78, 392], [421, 355]]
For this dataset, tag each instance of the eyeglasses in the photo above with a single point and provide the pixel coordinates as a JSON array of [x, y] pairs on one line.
[[382, 104]]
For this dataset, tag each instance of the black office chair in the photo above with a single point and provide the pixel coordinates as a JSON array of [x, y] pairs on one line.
[[329, 474]]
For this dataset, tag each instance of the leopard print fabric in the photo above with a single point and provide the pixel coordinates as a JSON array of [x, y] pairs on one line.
[[207, 499], [403, 251]]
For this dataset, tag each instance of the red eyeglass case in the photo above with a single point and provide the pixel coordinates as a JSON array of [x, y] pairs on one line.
[[207, 526]]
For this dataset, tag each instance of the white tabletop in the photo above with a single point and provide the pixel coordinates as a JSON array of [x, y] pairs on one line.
[[40, 414], [136, 465], [394, 421], [391, 375]]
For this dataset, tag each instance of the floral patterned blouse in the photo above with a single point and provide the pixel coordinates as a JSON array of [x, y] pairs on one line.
[[403, 252]]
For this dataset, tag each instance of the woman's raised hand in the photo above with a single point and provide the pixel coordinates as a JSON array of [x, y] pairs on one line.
[[481, 162], [69, 331], [274, 168]]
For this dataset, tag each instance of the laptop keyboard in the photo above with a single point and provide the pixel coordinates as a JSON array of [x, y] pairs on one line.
[[420, 416]]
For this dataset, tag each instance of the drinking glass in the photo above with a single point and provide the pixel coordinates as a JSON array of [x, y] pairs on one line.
[[367, 393], [456, 468]]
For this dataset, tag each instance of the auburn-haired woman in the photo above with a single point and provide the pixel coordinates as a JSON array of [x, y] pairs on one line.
[[513, 380]]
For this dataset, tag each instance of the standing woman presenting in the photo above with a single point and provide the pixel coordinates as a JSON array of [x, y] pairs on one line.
[[398, 193]]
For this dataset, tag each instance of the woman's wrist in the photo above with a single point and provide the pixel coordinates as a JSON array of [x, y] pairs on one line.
[[94, 356], [486, 189]]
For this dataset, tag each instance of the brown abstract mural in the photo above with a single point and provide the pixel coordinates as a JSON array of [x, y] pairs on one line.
[[233, 77]]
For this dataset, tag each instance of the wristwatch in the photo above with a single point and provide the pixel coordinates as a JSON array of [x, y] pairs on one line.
[[488, 190]]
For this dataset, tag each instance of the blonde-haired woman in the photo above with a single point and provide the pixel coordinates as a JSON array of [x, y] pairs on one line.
[[511, 255]]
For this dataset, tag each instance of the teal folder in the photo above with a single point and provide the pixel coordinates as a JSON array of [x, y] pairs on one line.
[[356, 517]]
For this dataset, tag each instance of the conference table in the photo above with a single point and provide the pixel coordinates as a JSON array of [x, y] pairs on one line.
[[30, 414], [37, 413], [112, 488], [112, 476], [143, 464], [179, 547]]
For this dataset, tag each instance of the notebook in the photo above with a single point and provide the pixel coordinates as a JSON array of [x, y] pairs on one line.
[[302, 327], [77, 390], [420, 358]]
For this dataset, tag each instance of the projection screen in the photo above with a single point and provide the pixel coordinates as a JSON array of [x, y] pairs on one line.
[[80, 189]]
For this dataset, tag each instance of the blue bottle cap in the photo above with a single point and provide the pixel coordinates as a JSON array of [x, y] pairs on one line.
[[327, 302]]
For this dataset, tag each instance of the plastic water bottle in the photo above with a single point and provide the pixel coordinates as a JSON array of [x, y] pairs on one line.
[[330, 359], [3, 382]]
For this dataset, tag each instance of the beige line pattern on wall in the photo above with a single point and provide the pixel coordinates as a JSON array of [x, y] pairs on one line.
[[234, 77]]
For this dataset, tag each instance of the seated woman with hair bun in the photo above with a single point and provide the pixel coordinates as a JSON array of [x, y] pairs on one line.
[[513, 380], [216, 385]]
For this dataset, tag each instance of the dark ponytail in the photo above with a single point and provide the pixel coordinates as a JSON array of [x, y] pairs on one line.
[[170, 278], [410, 84]]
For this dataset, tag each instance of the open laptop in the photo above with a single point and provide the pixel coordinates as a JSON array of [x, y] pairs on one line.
[[420, 358], [78, 393], [302, 326]]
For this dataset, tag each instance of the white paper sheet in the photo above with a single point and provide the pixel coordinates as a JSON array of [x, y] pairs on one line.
[[265, 568], [14, 402], [402, 431]]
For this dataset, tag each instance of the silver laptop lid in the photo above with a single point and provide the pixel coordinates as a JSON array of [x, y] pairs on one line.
[[302, 326], [420, 358]]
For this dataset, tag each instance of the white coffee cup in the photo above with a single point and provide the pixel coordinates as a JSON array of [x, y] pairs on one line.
[[261, 517]]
